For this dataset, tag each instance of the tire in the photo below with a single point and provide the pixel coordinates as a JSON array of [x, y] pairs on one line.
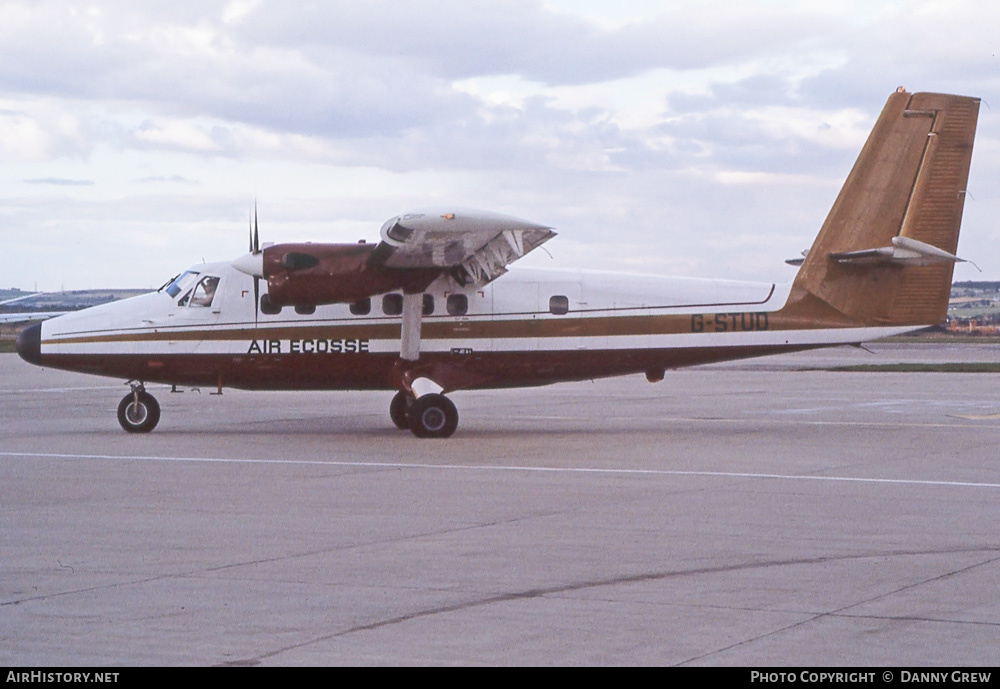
[[433, 416], [138, 414], [398, 409]]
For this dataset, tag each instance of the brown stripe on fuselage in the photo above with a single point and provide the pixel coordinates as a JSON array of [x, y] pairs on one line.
[[375, 371]]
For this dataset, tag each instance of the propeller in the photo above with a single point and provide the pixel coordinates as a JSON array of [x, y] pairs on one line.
[[254, 237], [255, 249], [252, 264]]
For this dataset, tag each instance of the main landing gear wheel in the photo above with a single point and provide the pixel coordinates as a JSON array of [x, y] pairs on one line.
[[138, 412], [433, 416], [399, 410]]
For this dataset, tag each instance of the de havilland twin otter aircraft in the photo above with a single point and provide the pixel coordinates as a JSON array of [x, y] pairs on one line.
[[430, 309]]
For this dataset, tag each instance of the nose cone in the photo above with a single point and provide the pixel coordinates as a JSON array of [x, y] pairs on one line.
[[29, 344], [251, 264]]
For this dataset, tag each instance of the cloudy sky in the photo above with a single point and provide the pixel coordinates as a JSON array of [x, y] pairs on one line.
[[674, 137]]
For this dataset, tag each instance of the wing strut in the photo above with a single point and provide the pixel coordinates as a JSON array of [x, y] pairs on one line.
[[409, 345], [413, 311]]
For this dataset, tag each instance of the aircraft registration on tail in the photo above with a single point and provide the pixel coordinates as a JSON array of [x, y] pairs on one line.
[[431, 308]]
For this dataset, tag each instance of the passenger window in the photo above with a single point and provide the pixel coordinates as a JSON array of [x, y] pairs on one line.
[[362, 307], [305, 310], [558, 305], [392, 304], [457, 304]]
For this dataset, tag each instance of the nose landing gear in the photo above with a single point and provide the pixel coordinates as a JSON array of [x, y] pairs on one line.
[[138, 412]]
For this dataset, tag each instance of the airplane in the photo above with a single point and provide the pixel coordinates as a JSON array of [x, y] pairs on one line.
[[431, 308], [24, 316]]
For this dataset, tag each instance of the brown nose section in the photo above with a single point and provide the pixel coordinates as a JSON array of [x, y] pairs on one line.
[[29, 344]]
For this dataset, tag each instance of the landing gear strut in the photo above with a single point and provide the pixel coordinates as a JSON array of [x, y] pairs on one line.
[[419, 405], [138, 412]]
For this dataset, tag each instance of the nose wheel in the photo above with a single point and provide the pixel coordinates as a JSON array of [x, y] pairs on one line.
[[138, 412]]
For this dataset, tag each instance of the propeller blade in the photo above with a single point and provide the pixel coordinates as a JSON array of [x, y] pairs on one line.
[[256, 237], [256, 300], [256, 280], [251, 268]]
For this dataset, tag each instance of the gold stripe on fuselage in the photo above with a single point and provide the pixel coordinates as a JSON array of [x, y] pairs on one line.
[[616, 326]]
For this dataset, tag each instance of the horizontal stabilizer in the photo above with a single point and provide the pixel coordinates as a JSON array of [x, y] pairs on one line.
[[798, 261], [904, 251]]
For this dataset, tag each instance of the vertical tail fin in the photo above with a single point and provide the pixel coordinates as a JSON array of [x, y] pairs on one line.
[[885, 254]]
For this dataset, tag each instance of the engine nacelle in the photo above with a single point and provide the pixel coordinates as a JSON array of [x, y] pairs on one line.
[[317, 274]]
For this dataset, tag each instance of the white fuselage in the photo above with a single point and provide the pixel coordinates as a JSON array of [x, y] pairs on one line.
[[652, 322]]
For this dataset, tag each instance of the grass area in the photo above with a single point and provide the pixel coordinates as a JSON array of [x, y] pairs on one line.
[[7, 346], [942, 338], [920, 368]]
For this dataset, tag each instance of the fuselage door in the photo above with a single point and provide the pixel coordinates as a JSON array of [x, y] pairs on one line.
[[516, 317]]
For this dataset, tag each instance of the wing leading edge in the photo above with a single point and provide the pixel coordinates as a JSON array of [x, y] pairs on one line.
[[477, 246]]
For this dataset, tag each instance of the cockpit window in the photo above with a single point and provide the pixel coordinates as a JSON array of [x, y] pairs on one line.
[[181, 282], [204, 293]]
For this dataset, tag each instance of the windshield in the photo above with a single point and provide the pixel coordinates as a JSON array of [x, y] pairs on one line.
[[181, 282], [167, 283]]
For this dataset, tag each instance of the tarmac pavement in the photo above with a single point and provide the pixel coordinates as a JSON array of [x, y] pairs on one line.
[[748, 514]]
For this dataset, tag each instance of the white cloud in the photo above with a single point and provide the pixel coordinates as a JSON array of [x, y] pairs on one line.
[[671, 127], [186, 136], [33, 130]]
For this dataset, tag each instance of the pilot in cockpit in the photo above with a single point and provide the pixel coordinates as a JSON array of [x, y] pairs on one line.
[[204, 293]]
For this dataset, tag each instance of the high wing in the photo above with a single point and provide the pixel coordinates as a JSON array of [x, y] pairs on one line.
[[477, 245], [471, 247]]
